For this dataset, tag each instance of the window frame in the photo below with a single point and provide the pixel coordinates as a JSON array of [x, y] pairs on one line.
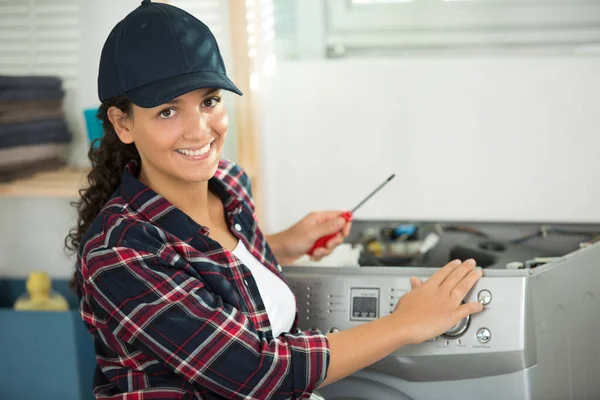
[[435, 24]]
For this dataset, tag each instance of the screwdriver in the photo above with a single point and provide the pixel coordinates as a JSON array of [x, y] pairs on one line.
[[322, 242]]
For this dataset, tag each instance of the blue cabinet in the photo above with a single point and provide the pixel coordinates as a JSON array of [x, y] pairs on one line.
[[43, 355]]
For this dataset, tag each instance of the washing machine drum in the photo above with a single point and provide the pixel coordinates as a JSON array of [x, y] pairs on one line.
[[355, 388]]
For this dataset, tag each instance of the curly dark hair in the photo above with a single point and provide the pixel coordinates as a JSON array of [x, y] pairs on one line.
[[108, 162]]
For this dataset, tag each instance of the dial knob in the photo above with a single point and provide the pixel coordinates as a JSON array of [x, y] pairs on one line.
[[458, 329]]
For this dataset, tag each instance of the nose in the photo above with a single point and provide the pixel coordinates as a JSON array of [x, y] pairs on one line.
[[197, 126]]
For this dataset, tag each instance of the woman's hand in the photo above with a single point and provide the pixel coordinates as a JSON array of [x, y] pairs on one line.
[[296, 241], [427, 311], [433, 307]]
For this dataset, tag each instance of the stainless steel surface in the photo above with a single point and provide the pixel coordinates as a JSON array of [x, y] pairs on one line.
[[332, 289], [566, 306], [373, 385], [537, 338]]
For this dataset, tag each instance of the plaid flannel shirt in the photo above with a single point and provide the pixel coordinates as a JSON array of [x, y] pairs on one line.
[[176, 316]]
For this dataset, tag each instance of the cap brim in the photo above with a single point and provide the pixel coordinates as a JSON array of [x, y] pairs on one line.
[[164, 90]]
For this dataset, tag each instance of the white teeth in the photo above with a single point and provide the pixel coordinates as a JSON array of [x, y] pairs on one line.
[[198, 152]]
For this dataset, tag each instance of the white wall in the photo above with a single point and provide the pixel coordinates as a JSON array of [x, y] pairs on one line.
[[470, 139], [33, 232]]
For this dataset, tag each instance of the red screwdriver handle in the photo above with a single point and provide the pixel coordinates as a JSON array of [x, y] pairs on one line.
[[322, 241]]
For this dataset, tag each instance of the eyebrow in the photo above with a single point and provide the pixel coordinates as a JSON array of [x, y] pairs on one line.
[[213, 91], [177, 100]]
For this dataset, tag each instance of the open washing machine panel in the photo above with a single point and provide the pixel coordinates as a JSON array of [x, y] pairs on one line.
[[538, 338]]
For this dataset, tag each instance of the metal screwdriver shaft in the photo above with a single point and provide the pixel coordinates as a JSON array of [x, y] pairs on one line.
[[373, 192], [348, 215]]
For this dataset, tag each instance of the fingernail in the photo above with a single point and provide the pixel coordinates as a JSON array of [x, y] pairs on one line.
[[457, 261], [472, 261]]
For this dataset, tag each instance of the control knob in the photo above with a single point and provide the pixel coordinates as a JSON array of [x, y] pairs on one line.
[[458, 329]]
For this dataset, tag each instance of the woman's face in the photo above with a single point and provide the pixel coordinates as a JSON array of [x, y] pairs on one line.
[[182, 139]]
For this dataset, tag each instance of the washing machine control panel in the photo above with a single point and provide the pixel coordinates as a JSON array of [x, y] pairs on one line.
[[340, 298]]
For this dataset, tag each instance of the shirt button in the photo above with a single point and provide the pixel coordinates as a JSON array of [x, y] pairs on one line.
[[238, 227], [245, 282]]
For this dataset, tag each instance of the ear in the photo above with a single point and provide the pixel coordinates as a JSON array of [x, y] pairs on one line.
[[122, 124]]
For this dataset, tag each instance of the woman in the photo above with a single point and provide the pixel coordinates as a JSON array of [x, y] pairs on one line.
[[181, 290]]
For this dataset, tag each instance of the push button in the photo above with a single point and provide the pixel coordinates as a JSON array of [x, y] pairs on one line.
[[484, 297], [484, 335]]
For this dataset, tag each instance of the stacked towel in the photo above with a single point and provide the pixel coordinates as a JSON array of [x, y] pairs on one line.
[[33, 133]]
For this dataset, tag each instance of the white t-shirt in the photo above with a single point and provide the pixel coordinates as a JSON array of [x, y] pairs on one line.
[[279, 300]]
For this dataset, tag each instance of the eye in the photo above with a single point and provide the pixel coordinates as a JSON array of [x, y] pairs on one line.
[[211, 102], [167, 113]]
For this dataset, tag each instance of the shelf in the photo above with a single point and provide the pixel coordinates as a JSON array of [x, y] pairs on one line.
[[64, 182]]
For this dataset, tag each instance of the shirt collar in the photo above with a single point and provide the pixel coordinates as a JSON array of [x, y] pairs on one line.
[[156, 209]]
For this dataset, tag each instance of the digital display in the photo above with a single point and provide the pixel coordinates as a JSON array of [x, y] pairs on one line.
[[364, 307]]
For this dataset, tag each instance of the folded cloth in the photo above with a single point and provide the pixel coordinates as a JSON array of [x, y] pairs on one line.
[[21, 170], [30, 110], [29, 82], [22, 154], [36, 132], [31, 94]]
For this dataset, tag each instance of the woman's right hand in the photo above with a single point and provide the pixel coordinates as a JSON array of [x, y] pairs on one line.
[[434, 306]]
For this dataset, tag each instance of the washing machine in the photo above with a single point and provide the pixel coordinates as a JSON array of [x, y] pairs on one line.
[[537, 338]]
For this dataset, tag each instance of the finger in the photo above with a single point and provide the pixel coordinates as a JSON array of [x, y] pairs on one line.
[[314, 257], [336, 241], [329, 227], [459, 292], [347, 228], [319, 258], [458, 274], [323, 216], [467, 309], [443, 272], [415, 282], [319, 253]]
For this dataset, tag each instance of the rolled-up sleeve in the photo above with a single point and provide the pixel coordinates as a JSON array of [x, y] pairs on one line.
[[147, 302]]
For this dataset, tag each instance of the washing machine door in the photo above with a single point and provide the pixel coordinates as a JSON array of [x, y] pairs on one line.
[[357, 388]]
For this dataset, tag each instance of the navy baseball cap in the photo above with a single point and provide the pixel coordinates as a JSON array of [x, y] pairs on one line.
[[157, 53]]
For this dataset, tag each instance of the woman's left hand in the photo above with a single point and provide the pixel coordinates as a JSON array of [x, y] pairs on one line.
[[296, 241]]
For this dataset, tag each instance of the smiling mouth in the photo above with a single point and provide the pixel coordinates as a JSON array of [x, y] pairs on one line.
[[195, 152]]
